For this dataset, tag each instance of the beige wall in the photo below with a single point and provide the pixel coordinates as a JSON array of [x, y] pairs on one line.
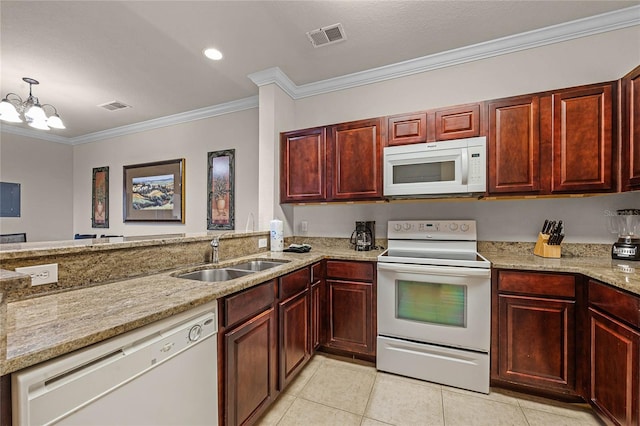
[[604, 57], [45, 172], [192, 141]]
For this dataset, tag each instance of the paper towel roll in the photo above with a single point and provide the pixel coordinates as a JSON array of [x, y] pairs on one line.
[[277, 235]]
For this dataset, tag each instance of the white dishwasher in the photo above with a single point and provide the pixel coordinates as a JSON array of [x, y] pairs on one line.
[[164, 373]]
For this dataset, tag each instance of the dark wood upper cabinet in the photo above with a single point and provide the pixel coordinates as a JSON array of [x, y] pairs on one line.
[[631, 131], [406, 129], [303, 165], [514, 145], [462, 121], [583, 138], [356, 160]]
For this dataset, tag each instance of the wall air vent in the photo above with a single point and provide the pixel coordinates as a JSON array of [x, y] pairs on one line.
[[327, 35], [114, 106]]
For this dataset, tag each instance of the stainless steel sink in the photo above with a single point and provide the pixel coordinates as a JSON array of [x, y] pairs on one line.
[[258, 265], [213, 275]]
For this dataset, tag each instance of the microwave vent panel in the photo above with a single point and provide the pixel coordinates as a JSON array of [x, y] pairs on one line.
[[327, 35]]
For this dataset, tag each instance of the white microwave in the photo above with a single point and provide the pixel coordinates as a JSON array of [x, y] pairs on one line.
[[456, 167]]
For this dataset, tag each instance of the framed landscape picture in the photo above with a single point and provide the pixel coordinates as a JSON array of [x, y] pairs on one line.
[[154, 192], [100, 198], [221, 188]]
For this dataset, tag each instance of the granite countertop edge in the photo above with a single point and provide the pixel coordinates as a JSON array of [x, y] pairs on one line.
[[42, 328]]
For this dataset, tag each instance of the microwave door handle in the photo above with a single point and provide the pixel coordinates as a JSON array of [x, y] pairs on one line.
[[465, 165]]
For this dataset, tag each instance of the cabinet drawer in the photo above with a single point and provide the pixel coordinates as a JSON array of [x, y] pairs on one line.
[[363, 271], [622, 305], [248, 303], [535, 283], [294, 282], [407, 129], [462, 121]]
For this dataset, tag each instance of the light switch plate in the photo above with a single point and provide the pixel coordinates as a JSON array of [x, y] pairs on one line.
[[262, 243], [41, 274]]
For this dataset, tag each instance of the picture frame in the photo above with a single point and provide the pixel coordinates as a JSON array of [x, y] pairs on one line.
[[221, 189], [154, 192], [100, 198]]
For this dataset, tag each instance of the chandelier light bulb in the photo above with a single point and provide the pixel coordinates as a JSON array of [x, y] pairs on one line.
[[14, 110], [8, 112], [40, 124], [35, 113], [55, 122]]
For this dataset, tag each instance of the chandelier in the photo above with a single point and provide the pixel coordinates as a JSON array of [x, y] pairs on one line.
[[15, 110]]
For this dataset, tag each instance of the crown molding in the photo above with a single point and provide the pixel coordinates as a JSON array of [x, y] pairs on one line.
[[30, 133], [605, 22], [169, 120]]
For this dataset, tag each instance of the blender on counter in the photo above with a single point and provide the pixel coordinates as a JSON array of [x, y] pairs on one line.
[[626, 223]]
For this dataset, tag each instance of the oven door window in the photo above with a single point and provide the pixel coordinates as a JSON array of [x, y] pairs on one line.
[[433, 303], [441, 171]]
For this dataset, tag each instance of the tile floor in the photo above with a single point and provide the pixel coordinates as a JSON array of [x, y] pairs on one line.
[[333, 391]]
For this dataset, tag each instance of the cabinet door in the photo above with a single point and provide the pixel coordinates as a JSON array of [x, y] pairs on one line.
[[461, 121], [356, 155], [615, 370], [406, 129], [316, 314], [514, 145], [294, 336], [250, 376], [631, 130], [350, 311], [303, 172], [537, 342], [583, 138]]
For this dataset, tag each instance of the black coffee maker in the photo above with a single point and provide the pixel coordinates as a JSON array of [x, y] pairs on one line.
[[363, 238]]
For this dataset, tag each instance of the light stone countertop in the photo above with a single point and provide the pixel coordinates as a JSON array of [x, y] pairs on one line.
[[41, 328], [618, 273]]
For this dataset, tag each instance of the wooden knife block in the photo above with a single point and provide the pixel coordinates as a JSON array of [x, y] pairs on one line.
[[543, 249]]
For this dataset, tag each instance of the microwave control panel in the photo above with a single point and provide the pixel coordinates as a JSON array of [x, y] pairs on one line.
[[477, 167]]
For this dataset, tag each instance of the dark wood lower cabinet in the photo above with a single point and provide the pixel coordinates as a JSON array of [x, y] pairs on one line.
[[294, 346], [534, 338], [615, 373], [350, 327], [350, 311], [537, 342], [317, 314], [251, 351]]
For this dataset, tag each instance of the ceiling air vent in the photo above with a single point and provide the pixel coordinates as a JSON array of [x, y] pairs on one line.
[[114, 105], [327, 35]]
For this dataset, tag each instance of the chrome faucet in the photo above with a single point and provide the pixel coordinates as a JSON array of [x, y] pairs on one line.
[[215, 244]]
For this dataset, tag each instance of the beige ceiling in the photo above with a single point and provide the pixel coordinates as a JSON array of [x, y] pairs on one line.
[[148, 54]]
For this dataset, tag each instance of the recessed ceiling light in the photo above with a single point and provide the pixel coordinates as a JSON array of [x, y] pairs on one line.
[[212, 53]]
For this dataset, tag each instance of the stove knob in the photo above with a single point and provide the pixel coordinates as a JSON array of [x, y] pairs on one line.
[[397, 227], [453, 226], [407, 226], [464, 227]]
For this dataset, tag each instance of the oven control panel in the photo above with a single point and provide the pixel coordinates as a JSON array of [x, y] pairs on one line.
[[432, 229]]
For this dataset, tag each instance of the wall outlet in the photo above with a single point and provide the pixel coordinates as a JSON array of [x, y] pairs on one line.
[[262, 243], [41, 274], [304, 226]]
